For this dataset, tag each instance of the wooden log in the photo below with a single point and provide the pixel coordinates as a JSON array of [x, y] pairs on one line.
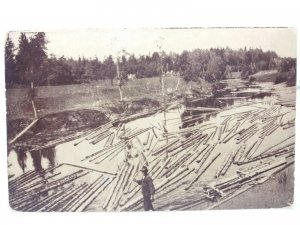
[[127, 187], [163, 167], [31, 177], [220, 132], [256, 148], [38, 182], [118, 190], [90, 169], [48, 207], [108, 199], [202, 109], [93, 195], [111, 154], [77, 197], [154, 133], [54, 184], [108, 140], [227, 137], [103, 150], [65, 198], [239, 154], [138, 133], [36, 205], [205, 157], [202, 172], [146, 139], [163, 148], [246, 136], [150, 143], [196, 155], [126, 183], [225, 162], [175, 165], [246, 154], [117, 152], [107, 151], [21, 178], [228, 164], [22, 132], [189, 205], [100, 138]]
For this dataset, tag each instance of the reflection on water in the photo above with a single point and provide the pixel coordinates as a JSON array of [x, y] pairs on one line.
[[37, 160], [21, 157], [230, 94]]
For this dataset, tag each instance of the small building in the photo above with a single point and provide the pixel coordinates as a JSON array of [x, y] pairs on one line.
[[131, 76], [233, 75]]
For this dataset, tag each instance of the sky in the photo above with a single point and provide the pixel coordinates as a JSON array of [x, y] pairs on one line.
[[101, 43]]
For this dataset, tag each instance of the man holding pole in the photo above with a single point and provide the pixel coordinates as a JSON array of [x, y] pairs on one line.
[[148, 189]]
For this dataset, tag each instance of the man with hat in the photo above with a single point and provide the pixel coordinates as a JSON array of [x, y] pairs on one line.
[[148, 189]]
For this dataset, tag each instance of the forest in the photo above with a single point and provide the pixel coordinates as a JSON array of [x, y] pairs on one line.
[[29, 62]]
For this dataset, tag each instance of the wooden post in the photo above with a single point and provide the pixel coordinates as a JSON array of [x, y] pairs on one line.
[[32, 102], [120, 82]]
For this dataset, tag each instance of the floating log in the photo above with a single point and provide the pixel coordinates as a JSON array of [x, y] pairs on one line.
[[163, 148], [126, 183], [161, 168], [146, 139], [202, 109], [225, 162], [118, 189], [90, 169], [205, 157], [108, 199], [94, 194], [256, 148], [189, 204], [150, 143], [227, 165], [102, 137], [196, 155], [22, 132], [202, 172], [176, 164], [78, 196], [111, 154], [245, 156], [57, 183], [48, 207], [103, 150], [38, 182]]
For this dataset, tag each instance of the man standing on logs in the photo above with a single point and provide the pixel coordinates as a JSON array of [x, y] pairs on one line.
[[148, 189]]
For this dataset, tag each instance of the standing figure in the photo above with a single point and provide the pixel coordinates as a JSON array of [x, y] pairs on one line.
[[148, 189]]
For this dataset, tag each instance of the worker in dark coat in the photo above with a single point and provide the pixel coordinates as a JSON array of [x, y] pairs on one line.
[[148, 189]]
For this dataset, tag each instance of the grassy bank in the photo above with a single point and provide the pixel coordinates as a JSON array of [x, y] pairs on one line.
[[97, 95]]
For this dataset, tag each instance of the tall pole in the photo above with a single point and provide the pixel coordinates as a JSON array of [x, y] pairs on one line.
[[119, 81], [32, 101]]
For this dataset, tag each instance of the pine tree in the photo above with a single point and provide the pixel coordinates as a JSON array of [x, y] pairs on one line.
[[10, 64]]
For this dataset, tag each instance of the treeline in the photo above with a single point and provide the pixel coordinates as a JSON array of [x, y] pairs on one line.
[[29, 62]]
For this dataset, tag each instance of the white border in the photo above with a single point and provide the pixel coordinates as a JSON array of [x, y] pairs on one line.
[[58, 14]]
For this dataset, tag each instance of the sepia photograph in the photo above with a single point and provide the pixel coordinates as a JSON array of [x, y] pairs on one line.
[[150, 119]]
